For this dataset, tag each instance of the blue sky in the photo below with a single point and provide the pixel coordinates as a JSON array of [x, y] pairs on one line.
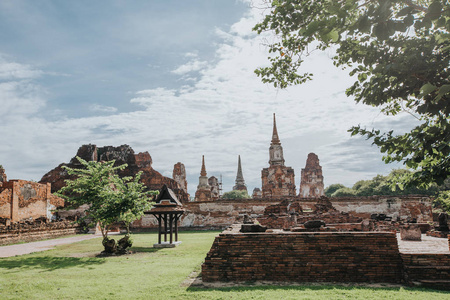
[[174, 78]]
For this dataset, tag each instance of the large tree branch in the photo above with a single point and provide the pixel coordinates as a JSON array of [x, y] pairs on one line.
[[416, 6]]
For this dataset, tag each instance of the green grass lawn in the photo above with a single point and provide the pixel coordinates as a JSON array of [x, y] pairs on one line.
[[74, 272]]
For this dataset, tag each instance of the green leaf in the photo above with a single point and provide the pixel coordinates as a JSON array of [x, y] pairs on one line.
[[426, 89]]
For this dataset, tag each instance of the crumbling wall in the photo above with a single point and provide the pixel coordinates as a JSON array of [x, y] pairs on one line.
[[34, 231], [21, 199], [223, 213], [304, 257]]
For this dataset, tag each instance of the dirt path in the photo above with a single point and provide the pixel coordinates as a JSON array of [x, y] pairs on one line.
[[21, 249]]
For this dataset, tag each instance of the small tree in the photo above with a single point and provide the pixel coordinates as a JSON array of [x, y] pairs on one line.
[[110, 198], [236, 195], [134, 200]]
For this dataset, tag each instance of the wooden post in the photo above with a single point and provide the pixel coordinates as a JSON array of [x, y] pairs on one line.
[[159, 228], [165, 227], [176, 227], [171, 226]]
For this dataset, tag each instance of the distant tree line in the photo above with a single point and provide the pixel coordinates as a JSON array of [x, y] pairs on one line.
[[383, 185]]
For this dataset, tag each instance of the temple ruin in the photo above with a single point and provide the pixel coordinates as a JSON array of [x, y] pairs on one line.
[[311, 184], [240, 182], [179, 175], [203, 192], [215, 188], [277, 180]]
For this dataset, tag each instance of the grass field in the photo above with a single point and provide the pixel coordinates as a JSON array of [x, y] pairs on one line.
[[75, 272]]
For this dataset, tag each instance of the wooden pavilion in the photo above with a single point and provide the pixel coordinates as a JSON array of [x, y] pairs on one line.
[[167, 210]]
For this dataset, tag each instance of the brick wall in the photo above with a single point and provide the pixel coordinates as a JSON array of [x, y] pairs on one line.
[[430, 270], [304, 257], [221, 214], [21, 199], [28, 233]]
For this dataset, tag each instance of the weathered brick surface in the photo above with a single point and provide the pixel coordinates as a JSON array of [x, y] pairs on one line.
[[304, 257], [432, 270], [21, 199], [33, 232], [151, 178]]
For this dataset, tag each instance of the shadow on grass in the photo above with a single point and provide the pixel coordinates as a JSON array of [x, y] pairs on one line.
[[144, 249], [49, 263]]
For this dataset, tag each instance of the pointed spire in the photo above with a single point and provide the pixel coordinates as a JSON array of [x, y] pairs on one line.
[[275, 138], [203, 171], [239, 176]]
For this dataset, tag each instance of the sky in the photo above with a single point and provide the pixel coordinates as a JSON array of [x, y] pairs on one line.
[[174, 78]]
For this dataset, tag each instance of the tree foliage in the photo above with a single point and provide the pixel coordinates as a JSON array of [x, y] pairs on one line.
[[382, 185], [110, 198], [235, 194], [333, 188], [399, 53]]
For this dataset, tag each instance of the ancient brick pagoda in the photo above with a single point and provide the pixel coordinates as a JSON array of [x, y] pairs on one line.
[[203, 192], [179, 175], [240, 182], [277, 180], [167, 210], [141, 162], [215, 188], [311, 184]]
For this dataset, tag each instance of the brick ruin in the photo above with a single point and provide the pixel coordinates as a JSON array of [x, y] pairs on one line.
[[3, 177], [277, 180], [23, 200], [179, 175], [141, 162], [311, 183], [349, 257], [203, 192], [215, 188]]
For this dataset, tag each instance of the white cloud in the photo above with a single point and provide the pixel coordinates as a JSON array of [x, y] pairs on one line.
[[14, 71], [102, 108], [191, 66], [226, 111]]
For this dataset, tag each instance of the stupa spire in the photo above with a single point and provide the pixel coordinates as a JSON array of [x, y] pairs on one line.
[[275, 138], [203, 171], [240, 182], [239, 176]]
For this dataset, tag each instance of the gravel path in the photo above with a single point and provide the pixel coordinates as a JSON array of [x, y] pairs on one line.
[[21, 249]]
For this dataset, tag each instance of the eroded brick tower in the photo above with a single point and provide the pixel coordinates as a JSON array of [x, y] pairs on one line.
[[277, 180], [311, 184], [203, 192]]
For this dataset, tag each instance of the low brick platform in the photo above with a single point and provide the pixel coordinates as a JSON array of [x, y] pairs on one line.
[[304, 257], [29, 233]]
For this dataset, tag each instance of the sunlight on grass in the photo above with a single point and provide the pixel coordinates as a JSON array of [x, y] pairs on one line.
[[75, 272]]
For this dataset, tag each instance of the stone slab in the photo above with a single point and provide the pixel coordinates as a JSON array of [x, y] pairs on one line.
[[167, 245]]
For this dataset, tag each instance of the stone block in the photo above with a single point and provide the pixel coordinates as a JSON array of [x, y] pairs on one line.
[[410, 232]]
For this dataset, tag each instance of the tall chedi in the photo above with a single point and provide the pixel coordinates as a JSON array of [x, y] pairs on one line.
[[240, 182], [311, 184], [203, 192], [277, 180]]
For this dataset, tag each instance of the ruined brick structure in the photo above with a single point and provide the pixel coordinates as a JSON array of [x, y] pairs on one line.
[[303, 257], [3, 177], [240, 182], [288, 214], [21, 199], [256, 193], [277, 180], [311, 184], [152, 179], [203, 192], [179, 175], [215, 188]]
